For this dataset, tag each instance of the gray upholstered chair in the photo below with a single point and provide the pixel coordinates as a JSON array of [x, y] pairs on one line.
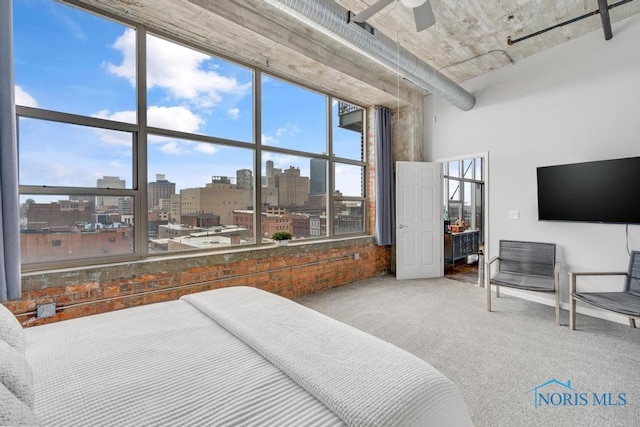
[[626, 301], [529, 266]]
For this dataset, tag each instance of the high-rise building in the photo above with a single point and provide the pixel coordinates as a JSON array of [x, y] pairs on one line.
[[244, 178], [293, 189], [272, 174], [269, 169], [160, 189], [109, 202], [318, 178], [269, 196], [125, 205]]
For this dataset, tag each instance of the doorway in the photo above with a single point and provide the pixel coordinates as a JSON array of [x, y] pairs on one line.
[[418, 220], [464, 206]]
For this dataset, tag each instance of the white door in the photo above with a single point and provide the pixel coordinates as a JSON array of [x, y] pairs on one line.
[[419, 222]]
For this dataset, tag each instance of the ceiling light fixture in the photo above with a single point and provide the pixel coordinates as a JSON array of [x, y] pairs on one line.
[[422, 12]]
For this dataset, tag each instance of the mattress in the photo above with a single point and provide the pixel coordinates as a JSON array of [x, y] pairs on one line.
[[162, 364], [366, 381], [228, 357]]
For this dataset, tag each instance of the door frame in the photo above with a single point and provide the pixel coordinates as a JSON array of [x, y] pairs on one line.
[[485, 200]]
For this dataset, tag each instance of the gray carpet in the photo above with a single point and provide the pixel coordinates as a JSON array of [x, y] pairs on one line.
[[498, 358]]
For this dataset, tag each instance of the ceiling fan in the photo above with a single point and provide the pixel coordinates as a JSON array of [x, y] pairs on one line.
[[422, 12]]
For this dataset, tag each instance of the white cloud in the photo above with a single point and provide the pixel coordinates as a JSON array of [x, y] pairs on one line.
[[206, 148], [268, 140], [120, 116], [283, 161], [234, 113], [174, 118], [112, 137], [126, 45], [24, 98], [117, 164], [173, 148], [58, 170], [289, 129], [183, 148], [176, 69]]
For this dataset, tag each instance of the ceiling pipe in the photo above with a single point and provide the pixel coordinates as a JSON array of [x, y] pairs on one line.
[[332, 19], [603, 8]]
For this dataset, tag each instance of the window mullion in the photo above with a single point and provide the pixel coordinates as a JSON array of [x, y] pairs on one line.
[[140, 157], [257, 158], [331, 175]]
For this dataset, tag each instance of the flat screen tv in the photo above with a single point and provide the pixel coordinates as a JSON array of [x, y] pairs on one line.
[[606, 191]]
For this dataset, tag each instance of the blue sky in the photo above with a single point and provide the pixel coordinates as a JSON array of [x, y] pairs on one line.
[[71, 61]]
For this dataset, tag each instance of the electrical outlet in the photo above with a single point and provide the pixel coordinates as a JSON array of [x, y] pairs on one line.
[[45, 310], [514, 214]]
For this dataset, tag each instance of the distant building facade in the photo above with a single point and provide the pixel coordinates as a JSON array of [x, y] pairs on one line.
[[318, 177], [95, 242], [60, 213], [109, 202], [161, 188], [270, 223], [293, 189], [220, 197], [202, 220]]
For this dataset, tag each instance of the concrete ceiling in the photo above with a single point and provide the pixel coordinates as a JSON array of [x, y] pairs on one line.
[[468, 39], [470, 36]]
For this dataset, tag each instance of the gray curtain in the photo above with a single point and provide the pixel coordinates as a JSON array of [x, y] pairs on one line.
[[385, 183], [9, 202]]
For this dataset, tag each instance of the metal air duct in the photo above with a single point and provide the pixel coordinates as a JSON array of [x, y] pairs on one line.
[[330, 18]]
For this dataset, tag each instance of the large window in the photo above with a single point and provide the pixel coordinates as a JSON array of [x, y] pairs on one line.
[[463, 192], [133, 144], [190, 91], [293, 117]]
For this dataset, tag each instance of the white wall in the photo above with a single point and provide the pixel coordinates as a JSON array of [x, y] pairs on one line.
[[579, 101]]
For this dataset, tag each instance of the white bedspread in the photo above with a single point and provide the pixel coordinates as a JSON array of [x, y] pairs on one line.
[[230, 357], [364, 380], [161, 364]]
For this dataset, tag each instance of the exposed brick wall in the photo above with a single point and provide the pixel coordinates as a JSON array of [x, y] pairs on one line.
[[290, 271]]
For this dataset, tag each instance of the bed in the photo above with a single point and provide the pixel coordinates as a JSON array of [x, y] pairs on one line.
[[232, 356]]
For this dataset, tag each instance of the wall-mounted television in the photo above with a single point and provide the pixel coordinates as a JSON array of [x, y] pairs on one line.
[[606, 191]]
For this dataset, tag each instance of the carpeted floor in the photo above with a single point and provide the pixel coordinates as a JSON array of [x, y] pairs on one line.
[[499, 358]]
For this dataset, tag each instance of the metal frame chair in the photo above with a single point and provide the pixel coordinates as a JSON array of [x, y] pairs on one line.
[[625, 302], [529, 266]]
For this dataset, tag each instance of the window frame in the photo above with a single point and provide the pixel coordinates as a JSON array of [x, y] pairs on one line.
[[140, 132], [464, 185]]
